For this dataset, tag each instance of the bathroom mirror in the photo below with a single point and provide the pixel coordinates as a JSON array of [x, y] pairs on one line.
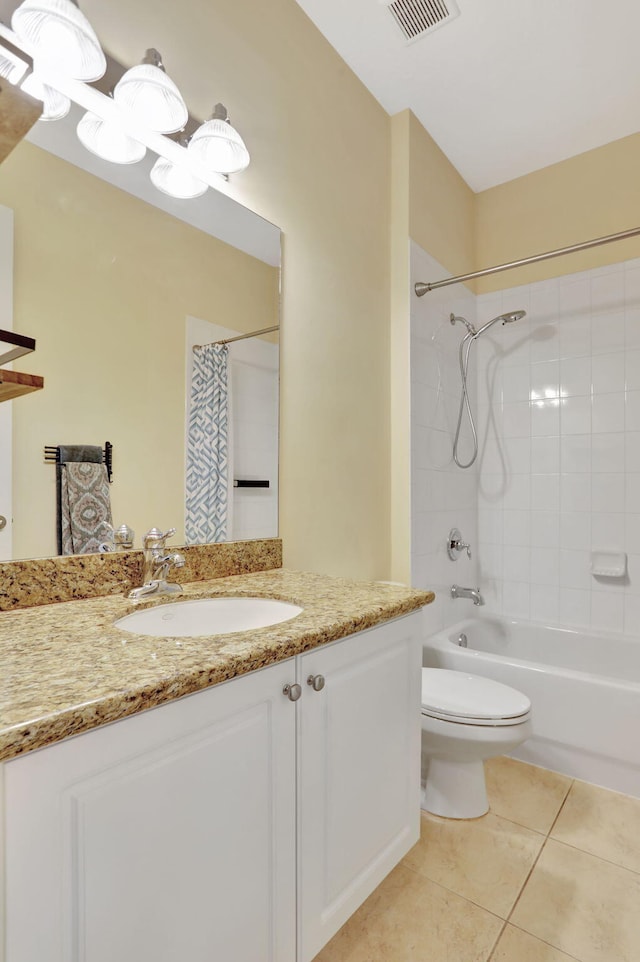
[[117, 282]]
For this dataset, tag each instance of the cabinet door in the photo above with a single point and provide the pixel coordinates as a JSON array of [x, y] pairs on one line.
[[359, 772], [166, 836]]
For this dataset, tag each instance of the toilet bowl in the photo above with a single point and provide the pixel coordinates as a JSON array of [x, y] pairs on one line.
[[466, 719]]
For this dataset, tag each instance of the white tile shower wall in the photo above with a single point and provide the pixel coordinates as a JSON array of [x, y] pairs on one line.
[[559, 466], [443, 495]]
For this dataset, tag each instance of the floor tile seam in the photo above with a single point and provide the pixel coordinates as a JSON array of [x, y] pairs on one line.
[[505, 818], [445, 888], [560, 810], [600, 858], [608, 791], [500, 818], [545, 942], [540, 768], [526, 881], [497, 941]]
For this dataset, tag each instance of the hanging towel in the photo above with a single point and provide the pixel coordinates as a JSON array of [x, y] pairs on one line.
[[85, 506], [65, 453]]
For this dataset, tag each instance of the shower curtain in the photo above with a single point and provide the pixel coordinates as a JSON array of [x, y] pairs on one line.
[[208, 447]]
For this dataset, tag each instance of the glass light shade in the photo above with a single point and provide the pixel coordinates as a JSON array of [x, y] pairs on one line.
[[173, 180], [59, 33], [218, 146], [152, 97], [55, 105], [107, 141], [11, 68]]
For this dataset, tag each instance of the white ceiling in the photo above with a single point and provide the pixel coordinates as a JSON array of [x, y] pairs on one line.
[[507, 87]]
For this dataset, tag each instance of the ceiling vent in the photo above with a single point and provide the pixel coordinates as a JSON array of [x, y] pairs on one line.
[[416, 18]]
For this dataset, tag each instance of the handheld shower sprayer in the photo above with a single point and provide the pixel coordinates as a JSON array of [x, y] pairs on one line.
[[463, 357], [505, 318]]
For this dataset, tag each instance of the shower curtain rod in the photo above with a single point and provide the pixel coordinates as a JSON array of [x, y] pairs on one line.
[[240, 337], [422, 288]]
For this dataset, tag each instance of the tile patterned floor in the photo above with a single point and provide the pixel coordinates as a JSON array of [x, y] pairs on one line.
[[550, 874]]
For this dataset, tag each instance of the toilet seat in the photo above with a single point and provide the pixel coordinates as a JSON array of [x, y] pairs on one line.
[[456, 696]]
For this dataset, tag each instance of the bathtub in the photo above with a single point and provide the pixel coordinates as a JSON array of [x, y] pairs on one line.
[[584, 690]]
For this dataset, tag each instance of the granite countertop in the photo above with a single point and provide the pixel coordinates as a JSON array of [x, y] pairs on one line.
[[65, 668]]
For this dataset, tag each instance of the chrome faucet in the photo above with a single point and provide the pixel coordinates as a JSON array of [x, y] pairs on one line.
[[157, 564], [473, 593]]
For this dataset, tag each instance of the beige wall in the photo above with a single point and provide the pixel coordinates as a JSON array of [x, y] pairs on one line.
[[104, 282], [587, 196], [442, 205], [432, 205], [320, 170], [399, 351]]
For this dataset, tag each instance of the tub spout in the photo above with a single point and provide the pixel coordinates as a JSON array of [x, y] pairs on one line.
[[472, 593]]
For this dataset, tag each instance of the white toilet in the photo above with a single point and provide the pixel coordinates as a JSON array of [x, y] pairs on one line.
[[466, 719]]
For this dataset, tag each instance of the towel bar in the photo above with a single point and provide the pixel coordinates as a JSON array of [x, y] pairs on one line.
[[52, 453]]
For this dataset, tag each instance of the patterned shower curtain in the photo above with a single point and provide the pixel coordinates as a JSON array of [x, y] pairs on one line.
[[208, 448]]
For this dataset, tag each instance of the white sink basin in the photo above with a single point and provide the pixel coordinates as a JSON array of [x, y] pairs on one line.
[[208, 616]]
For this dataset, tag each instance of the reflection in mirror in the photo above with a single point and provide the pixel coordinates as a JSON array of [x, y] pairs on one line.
[[116, 293], [234, 396]]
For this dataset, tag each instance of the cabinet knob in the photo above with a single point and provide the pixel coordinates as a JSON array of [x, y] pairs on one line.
[[316, 682], [292, 692], [3, 522]]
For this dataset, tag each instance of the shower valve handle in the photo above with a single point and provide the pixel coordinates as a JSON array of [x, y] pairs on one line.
[[455, 544]]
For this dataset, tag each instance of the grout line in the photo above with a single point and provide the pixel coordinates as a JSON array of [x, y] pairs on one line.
[[512, 821], [529, 874], [495, 944], [545, 836], [564, 802], [600, 858], [544, 942], [585, 851], [445, 888]]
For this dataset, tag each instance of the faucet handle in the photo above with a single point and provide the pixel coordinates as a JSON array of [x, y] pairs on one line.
[[455, 544], [155, 538]]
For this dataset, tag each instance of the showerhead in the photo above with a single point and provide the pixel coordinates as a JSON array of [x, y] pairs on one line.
[[505, 318], [512, 316]]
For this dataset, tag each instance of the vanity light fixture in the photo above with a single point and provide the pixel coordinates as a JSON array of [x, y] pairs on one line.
[[176, 181], [12, 67], [148, 93], [144, 107], [108, 141], [58, 32], [55, 105], [218, 146]]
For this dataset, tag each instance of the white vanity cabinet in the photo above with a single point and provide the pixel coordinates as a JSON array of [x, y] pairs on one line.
[[359, 772], [168, 836], [232, 825]]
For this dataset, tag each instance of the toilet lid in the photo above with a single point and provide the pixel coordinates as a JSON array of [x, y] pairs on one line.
[[455, 694]]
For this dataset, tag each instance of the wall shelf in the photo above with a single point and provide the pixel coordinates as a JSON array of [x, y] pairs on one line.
[[13, 384]]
